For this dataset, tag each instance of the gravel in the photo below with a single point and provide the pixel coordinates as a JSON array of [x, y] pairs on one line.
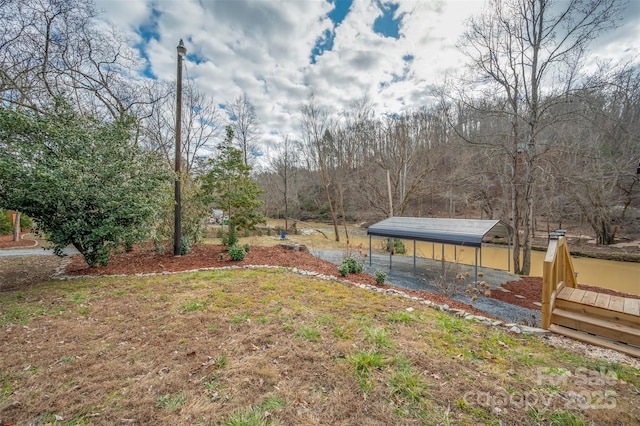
[[429, 273]]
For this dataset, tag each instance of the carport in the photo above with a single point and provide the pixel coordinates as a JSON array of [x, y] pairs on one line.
[[456, 232]]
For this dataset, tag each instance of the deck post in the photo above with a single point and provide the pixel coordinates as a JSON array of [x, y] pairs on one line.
[[549, 282], [369, 250]]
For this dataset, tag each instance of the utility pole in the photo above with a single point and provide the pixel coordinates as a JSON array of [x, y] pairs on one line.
[[177, 234]]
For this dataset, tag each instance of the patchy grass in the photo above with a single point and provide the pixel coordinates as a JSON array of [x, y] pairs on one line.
[[259, 347]]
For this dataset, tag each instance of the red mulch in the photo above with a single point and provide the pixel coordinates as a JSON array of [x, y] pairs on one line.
[[144, 261], [6, 241], [531, 289]]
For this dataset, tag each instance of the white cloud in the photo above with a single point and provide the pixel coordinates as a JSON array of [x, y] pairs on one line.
[[263, 48]]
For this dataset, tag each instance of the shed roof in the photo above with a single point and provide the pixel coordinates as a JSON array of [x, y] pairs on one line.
[[467, 232]]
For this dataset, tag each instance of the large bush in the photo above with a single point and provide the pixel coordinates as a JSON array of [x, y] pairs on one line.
[[85, 182]]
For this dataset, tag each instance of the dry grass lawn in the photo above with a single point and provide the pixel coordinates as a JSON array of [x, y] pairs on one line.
[[266, 346]]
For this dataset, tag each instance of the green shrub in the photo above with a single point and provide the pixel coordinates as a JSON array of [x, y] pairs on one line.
[[259, 232], [6, 227], [246, 247], [268, 232], [380, 276], [159, 246], [343, 269], [25, 222], [236, 253], [351, 265], [185, 245], [398, 246], [278, 230], [246, 233], [220, 234]]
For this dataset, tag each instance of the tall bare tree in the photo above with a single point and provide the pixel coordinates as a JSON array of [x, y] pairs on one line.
[[244, 122], [59, 48], [407, 148], [285, 164], [521, 52], [600, 149], [201, 126], [315, 124]]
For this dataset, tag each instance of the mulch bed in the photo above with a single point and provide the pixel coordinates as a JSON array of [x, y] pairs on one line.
[[531, 289], [145, 260], [6, 242]]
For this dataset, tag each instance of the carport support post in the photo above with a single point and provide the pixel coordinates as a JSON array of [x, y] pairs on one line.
[[433, 251], [442, 260], [369, 250], [414, 257], [476, 264], [390, 251]]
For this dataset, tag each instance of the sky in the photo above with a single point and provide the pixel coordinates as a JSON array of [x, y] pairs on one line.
[[277, 51]]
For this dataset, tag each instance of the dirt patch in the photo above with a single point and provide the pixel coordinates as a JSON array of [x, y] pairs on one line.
[[23, 272], [146, 261], [530, 290]]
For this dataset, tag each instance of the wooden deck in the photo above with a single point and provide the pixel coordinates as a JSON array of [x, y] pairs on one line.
[[617, 309], [619, 304], [596, 318]]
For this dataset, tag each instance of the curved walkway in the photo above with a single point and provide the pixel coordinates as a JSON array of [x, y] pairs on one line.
[[33, 252]]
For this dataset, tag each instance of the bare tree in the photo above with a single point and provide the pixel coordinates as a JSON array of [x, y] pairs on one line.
[[201, 126], [522, 51], [244, 122], [407, 148], [599, 150], [285, 164], [315, 126], [59, 48]]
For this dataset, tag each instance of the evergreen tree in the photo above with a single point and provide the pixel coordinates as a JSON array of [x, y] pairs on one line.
[[231, 187]]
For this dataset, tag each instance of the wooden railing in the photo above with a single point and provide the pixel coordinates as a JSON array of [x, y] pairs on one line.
[[557, 273]]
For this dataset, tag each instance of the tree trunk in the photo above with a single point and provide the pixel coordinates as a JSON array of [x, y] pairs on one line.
[[334, 215], [16, 227], [604, 233], [344, 216]]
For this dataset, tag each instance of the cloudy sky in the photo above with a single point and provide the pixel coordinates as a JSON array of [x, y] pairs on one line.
[[275, 51]]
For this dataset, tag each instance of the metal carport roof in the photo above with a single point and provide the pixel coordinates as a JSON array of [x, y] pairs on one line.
[[464, 232], [457, 232]]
